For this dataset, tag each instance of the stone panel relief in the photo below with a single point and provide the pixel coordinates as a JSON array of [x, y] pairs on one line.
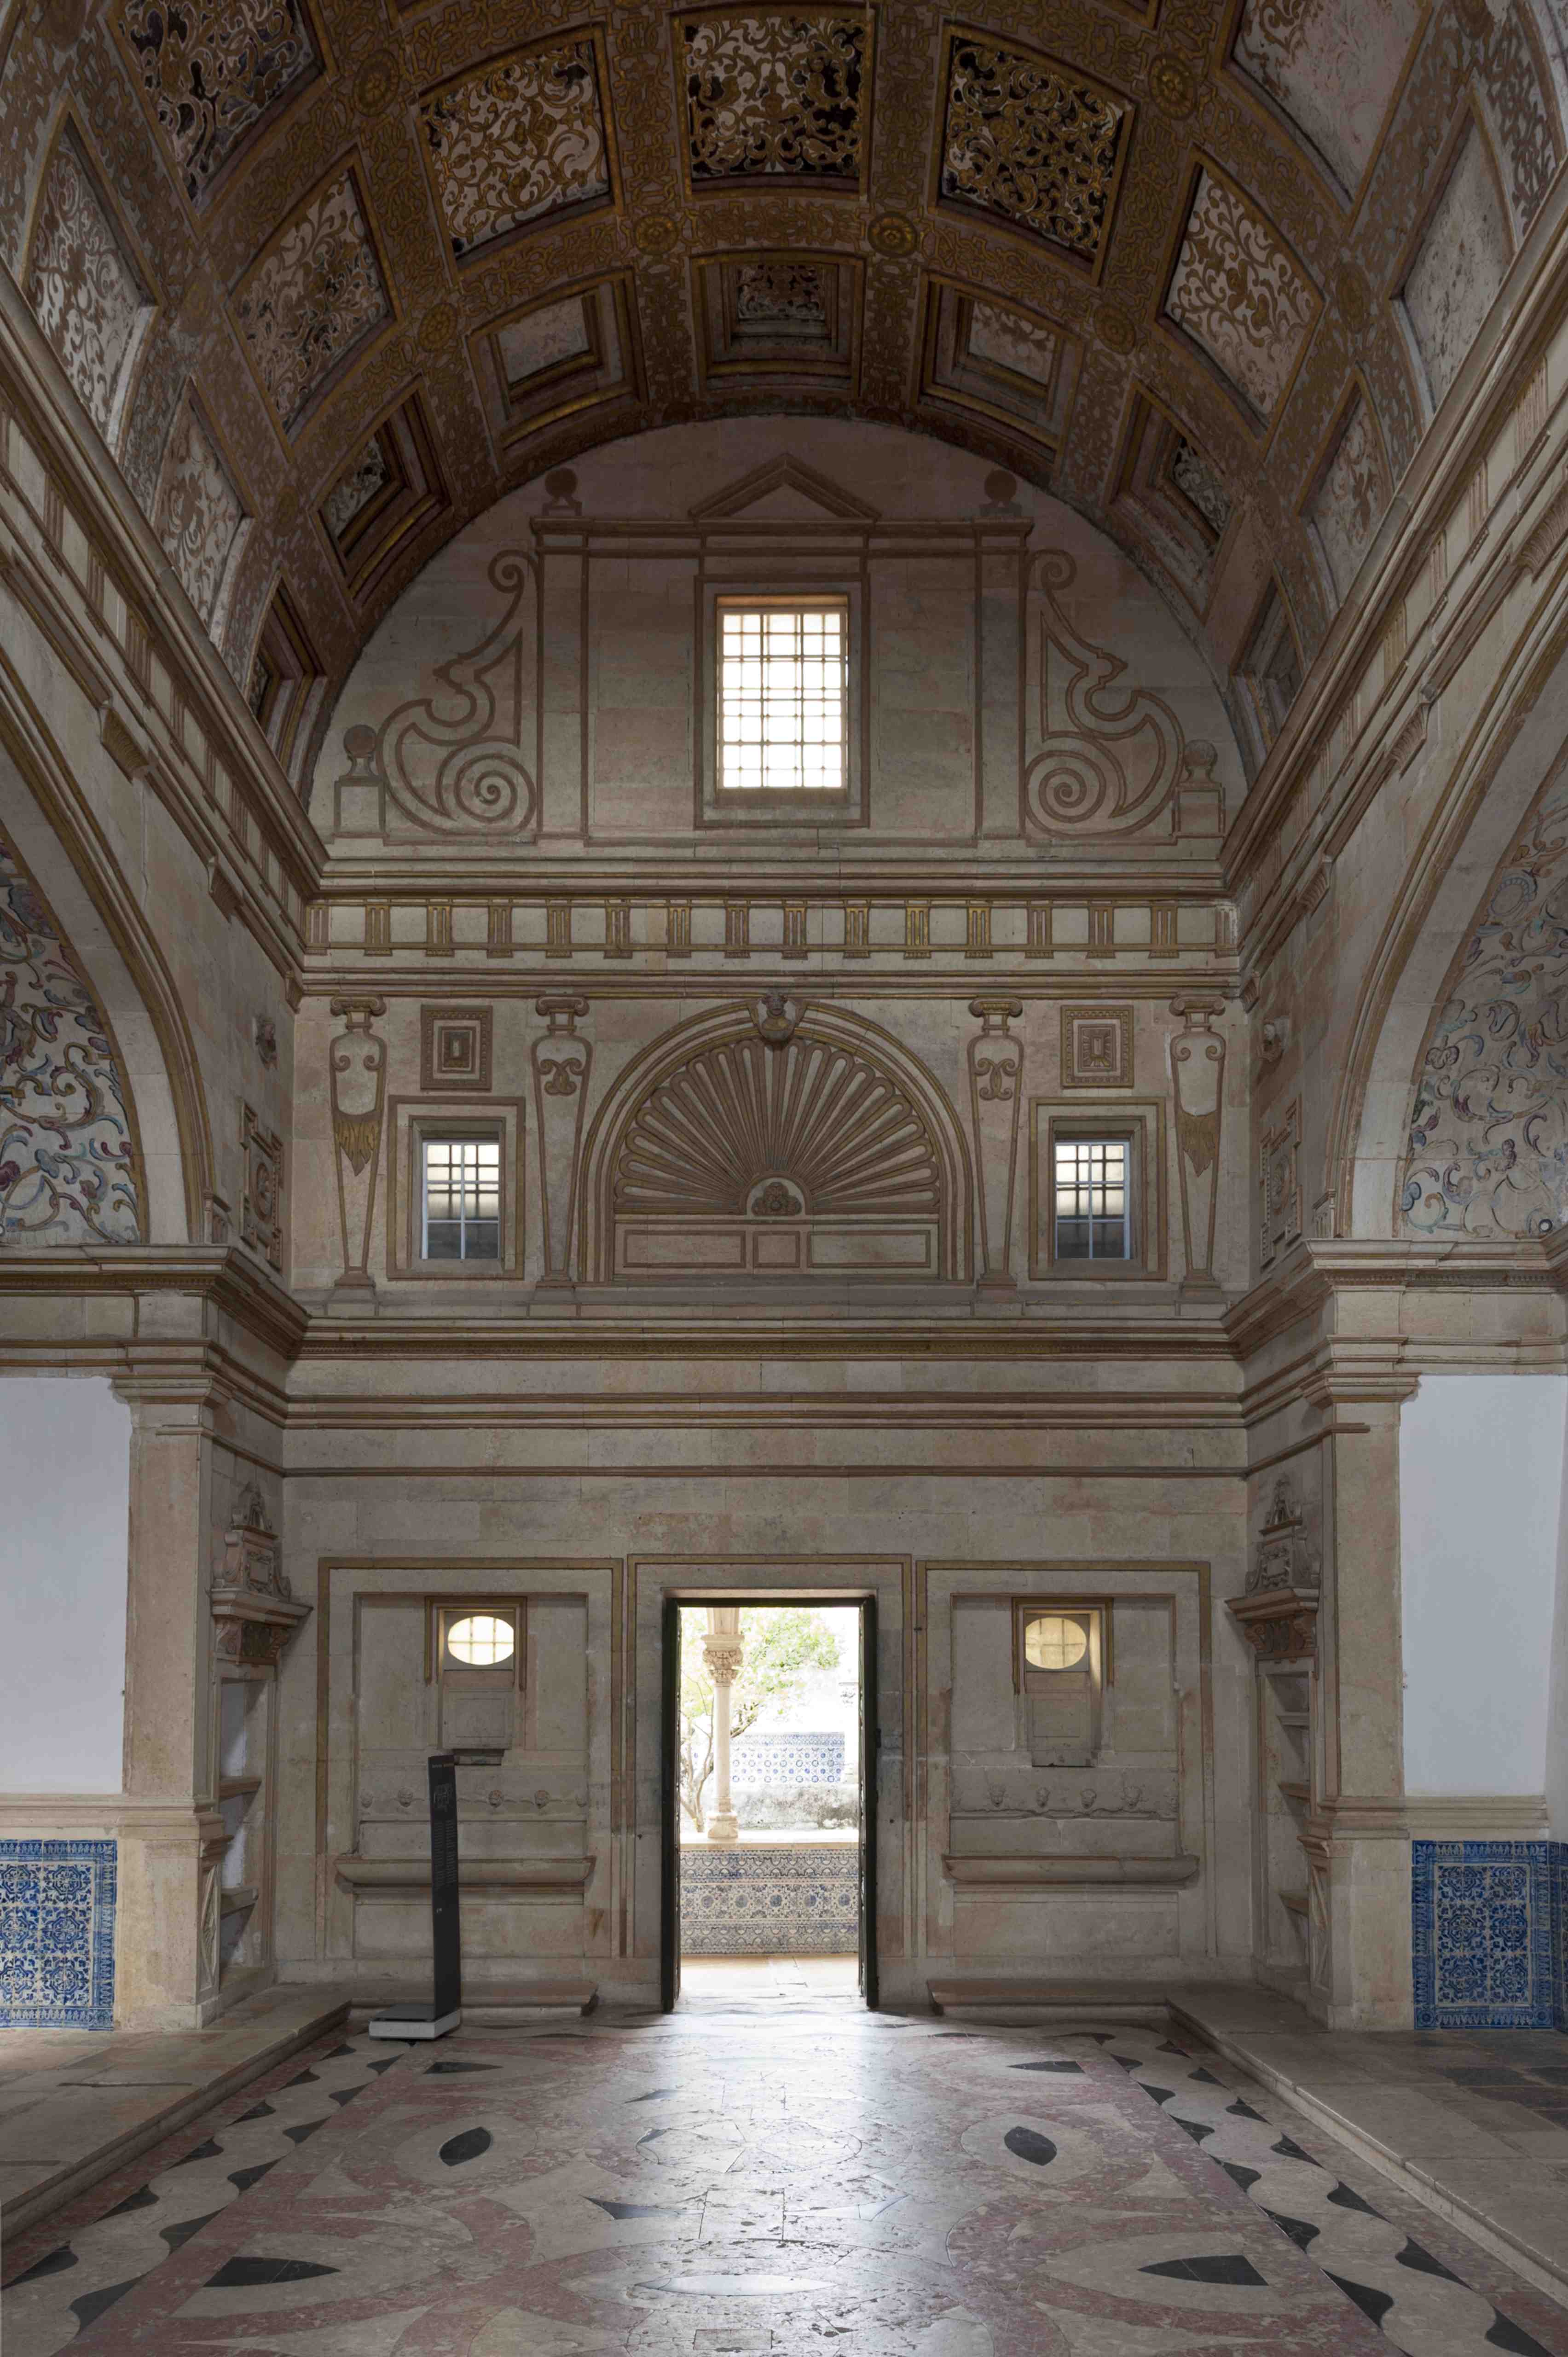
[[70, 1170], [1279, 1186], [260, 1205], [357, 1064], [995, 1096], [1352, 497], [1242, 294], [1198, 1073], [214, 76], [1459, 264], [1332, 66], [775, 93], [563, 1060], [198, 515], [523, 137], [1488, 1136], [1032, 144], [313, 298], [82, 285]]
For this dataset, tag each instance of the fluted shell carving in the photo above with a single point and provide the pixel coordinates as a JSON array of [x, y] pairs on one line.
[[839, 1130]]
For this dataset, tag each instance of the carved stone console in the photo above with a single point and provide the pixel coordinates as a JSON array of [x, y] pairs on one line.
[[254, 1612]]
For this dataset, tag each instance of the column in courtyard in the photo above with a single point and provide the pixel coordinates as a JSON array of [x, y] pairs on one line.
[[723, 1650]]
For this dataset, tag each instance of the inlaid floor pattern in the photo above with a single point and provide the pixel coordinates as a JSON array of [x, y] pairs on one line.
[[721, 2183]]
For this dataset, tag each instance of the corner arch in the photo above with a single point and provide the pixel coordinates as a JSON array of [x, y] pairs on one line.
[[824, 1124], [1517, 743]]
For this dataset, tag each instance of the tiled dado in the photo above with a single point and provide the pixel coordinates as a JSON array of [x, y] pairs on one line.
[[1489, 1934], [765, 1898], [962, 931], [57, 1934]]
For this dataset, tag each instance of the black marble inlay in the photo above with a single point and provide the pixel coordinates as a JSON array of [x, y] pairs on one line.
[[466, 2146], [1196, 2129], [243, 2179], [1374, 2305], [1029, 2145], [1286, 2150], [184, 2227], [1230, 2267], [1239, 2174], [632, 2209], [1343, 2198], [304, 2133], [251, 2275], [144, 2198], [1413, 2255], [654, 2095], [1067, 2070], [1504, 2335], [451, 2070], [208, 2151], [54, 2263], [92, 2304], [256, 2112], [1300, 2229]]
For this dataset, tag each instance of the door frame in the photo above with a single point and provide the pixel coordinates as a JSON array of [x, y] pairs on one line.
[[863, 1602]]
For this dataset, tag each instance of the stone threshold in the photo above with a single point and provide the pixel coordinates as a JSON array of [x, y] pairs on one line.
[[75, 2104], [1383, 2093], [487, 2005]]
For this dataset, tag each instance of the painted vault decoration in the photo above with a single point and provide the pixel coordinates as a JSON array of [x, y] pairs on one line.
[[523, 137], [775, 94], [1039, 147], [1240, 295], [313, 299], [214, 77], [81, 281]]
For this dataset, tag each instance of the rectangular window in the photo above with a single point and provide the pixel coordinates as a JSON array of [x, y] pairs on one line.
[[783, 696], [461, 1203], [1093, 1211]]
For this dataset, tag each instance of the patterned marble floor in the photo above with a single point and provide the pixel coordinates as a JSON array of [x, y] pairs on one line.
[[808, 2179]]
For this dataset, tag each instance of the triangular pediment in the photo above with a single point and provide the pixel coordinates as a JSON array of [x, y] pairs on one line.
[[784, 490]]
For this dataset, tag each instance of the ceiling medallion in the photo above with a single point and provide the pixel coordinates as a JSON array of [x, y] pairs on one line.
[[1115, 328], [438, 327], [375, 83], [1351, 290], [656, 232], [1172, 85], [892, 235]]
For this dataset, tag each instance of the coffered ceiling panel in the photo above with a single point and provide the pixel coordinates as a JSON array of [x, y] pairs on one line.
[[329, 276]]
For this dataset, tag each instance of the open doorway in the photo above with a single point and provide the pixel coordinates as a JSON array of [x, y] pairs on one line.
[[769, 1766]]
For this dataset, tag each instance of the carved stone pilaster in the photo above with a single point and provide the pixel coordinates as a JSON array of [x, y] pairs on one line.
[[254, 1613], [1198, 1073], [995, 1091], [358, 1069], [561, 1063]]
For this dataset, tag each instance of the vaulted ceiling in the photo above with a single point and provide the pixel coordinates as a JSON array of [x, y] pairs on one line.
[[330, 276]]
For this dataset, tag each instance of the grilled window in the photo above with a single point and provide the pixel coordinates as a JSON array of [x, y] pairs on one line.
[[1093, 1210], [461, 1205], [783, 719]]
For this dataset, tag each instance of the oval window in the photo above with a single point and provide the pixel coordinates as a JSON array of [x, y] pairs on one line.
[[481, 1640], [1051, 1643]]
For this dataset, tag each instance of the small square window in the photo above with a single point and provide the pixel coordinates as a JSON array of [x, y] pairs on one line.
[[460, 1204], [783, 696], [1092, 1207]]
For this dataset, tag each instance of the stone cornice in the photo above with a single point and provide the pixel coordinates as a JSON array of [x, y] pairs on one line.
[[224, 1280], [1315, 1271]]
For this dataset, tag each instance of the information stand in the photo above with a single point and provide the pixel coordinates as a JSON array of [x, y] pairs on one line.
[[445, 2009]]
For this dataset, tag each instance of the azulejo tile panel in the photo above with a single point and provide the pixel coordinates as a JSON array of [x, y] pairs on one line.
[[522, 137], [67, 1159], [57, 1934], [788, 1759], [795, 1899], [1483, 1934]]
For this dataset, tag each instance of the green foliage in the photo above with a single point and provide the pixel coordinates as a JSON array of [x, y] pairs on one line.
[[785, 1643]]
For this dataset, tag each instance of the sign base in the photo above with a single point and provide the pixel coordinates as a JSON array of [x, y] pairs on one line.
[[414, 2022]]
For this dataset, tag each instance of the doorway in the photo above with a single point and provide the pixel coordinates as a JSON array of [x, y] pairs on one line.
[[768, 1793]]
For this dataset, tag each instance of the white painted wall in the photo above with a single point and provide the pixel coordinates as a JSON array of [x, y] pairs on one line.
[[65, 1500], [1481, 1545]]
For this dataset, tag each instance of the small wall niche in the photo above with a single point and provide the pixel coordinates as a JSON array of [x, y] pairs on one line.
[[244, 1877], [1060, 1670]]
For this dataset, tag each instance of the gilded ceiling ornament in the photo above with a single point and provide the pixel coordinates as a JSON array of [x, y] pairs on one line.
[[770, 92], [439, 326], [655, 232], [1351, 289], [892, 235], [1172, 85], [522, 137], [213, 73], [1025, 141], [1115, 328], [375, 83]]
